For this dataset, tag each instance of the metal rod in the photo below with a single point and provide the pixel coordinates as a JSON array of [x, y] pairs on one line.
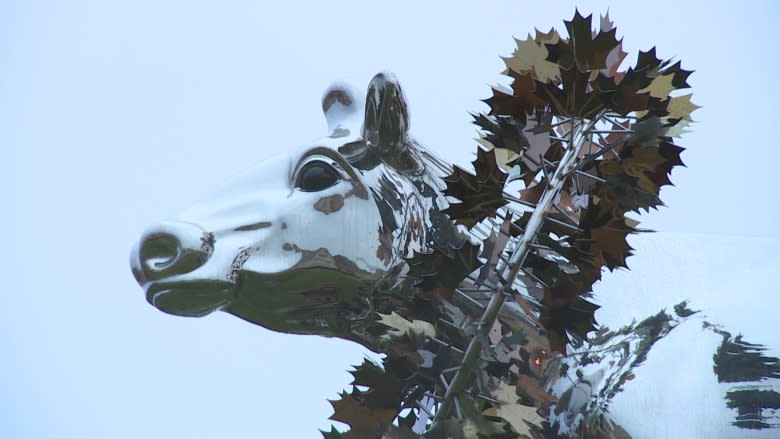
[[512, 198], [535, 277], [585, 174], [450, 369], [614, 118], [566, 167], [422, 407], [544, 172], [474, 290], [444, 381], [449, 323], [564, 224], [469, 298], [566, 216], [487, 398], [457, 409], [447, 345], [531, 159], [432, 395]]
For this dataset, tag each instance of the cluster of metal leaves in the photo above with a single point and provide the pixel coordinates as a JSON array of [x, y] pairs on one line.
[[586, 143], [624, 160]]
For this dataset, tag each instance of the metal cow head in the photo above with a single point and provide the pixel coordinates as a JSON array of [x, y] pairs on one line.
[[300, 243]]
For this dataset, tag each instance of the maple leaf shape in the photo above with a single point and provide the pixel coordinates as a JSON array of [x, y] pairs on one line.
[[584, 49], [521, 102], [604, 237], [612, 244], [532, 389], [332, 434], [529, 142], [549, 37], [668, 79], [660, 86], [638, 162], [561, 321], [681, 107], [647, 62], [545, 271], [415, 330], [442, 270], [480, 195], [503, 132], [615, 56], [564, 248], [523, 419], [671, 154], [531, 57], [623, 97], [629, 92], [364, 421], [376, 399], [623, 187], [534, 192], [472, 424], [647, 131], [573, 96], [557, 278], [680, 79], [384, 390]]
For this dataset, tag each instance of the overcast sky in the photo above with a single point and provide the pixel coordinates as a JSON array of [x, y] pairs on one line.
[[116, 114]]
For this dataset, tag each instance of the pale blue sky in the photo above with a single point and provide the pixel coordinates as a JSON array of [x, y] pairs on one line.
[[115, 114]]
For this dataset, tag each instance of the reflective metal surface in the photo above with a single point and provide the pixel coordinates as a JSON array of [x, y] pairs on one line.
[[317, 241], [298, 260]]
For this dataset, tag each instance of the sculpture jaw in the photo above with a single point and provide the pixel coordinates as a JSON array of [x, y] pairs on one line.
[[194, 298], [311, 301], [314, 300]]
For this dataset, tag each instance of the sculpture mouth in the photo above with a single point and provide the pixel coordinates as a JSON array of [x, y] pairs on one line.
[[190, 298]]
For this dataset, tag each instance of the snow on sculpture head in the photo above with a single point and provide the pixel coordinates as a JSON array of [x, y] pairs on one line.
[[299, 243]]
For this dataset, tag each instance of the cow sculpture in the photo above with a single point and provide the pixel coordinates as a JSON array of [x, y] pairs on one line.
[[352, 236]]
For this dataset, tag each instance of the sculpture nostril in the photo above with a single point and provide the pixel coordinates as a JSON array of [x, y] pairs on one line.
[[171, 249], [159, 252]]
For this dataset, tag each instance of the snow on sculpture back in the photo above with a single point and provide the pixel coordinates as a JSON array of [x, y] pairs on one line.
[[476, 294]]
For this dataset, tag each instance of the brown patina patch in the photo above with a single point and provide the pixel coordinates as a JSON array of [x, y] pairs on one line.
[[385, 250], [330, 204], [334, 96], [255, 226]]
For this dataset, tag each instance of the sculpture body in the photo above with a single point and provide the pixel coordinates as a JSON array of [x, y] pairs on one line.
[[319, 253], [476, 298]]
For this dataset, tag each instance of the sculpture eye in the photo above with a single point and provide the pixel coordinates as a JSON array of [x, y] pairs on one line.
[[316, 176]]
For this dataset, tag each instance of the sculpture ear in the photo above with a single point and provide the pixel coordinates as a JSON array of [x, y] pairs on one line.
[[342, 110], [386, 120]]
